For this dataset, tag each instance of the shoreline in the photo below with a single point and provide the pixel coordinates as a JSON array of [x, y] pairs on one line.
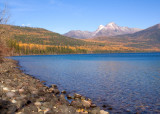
[[22, 93], [83, 54]]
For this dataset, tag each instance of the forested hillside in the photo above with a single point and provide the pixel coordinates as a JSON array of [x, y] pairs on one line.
[[27, 40]]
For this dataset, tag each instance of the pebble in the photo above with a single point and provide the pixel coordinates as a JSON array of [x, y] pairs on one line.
[[103, 112], [69, 97], [93, 105], [21, 90], [37, 103], [22, 94], [86, 103], [77, 95], [14, 101], [13, 90], [10, 94], [64, 92], [5, 89]]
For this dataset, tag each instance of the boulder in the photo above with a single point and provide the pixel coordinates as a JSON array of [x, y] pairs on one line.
[[54, 86], [56, 91], [93, 105], [69, 97], [77, 103], [77, 96], [62, 99], [37, 103], [95, 111], [103, 112], [64, 92], [86, 103]]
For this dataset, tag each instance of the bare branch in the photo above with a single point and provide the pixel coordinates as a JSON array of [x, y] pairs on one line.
[[4, 15]]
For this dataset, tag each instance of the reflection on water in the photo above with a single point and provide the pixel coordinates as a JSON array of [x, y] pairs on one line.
[[127, 82]]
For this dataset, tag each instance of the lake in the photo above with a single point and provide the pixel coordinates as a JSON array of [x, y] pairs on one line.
[[127, 82]]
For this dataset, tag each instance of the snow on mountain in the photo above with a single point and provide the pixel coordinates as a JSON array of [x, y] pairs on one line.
[[99, 29], [112, 26]]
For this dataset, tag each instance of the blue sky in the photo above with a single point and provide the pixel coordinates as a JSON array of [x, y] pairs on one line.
[[64, 15]]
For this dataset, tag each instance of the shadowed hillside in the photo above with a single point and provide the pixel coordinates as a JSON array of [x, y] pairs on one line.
[[146, 39]]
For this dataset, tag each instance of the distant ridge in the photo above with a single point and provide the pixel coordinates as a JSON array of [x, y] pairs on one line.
[[110, 29], [151, 34]]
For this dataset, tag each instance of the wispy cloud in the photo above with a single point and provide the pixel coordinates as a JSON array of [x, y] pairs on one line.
[[26, 25]]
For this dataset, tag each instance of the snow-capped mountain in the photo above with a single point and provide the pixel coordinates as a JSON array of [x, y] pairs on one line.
[[149, 36], [110, 29]]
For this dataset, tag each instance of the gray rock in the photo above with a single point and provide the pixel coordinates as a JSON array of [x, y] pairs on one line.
[[27, 110], [20, 103], [77, 103], [95, 111], [63, 100], [64, 109], [103, 112], [43, 108], [93, 105], [10, 94], [77, 95], [86, 103], [33, 108], [41, 112], [54, 86], [38, 103], [56, 91], [49, 112], [11, 109]]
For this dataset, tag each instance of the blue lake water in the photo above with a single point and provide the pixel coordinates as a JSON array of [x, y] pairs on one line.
[[126, 82]]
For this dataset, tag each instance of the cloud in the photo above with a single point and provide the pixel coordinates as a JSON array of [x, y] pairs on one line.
[[26, 25]]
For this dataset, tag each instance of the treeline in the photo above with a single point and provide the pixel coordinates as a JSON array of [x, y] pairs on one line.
[[27, 50], [52, 39]]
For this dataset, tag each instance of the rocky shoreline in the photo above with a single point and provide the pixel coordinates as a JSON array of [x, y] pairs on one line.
[[23, 94]]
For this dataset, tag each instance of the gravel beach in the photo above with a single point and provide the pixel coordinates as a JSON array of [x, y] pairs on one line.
[[23, 94]]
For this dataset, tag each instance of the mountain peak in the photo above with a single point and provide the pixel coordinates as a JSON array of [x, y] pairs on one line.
[[111, 23], [100, 27], [158, 26], [112, 26]]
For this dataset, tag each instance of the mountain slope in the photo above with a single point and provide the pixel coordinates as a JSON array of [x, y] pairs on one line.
[[147, 38], [110, 29], [29, 40], [151, 33], [41, 36], [79, 34]]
